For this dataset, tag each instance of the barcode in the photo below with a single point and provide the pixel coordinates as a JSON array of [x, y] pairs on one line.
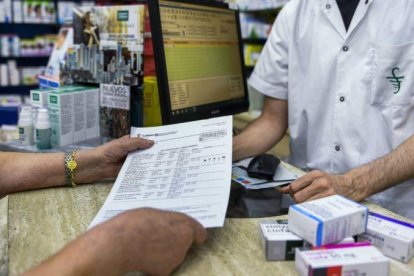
[[212, 134]]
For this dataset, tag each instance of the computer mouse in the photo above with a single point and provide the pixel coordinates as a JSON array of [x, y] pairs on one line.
[[263, 166]]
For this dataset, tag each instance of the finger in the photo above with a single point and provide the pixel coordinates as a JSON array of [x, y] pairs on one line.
[[319, 186], [321, 195], [304, 181], [299, 184], [285, 190], [306, 193], [134, 143], [200, 233]]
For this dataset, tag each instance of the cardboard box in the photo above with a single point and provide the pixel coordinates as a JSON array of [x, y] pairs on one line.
[[327, 220], [394, 238], [74, 114], [92, 113], [278, 242], [38, 97], [355, 259], [61, 107]]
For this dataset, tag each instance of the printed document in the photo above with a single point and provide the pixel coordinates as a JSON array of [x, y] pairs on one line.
[[187, 170]]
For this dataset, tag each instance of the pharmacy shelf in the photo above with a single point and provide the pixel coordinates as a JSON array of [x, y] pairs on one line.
[[258, 6], [28, 30], [28, 25], [17, 90], [27, 61]]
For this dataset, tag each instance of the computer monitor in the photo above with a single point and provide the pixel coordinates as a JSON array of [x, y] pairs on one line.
[[199, 59]]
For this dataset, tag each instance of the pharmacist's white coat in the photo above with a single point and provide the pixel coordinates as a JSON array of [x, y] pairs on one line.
[[344, 110]]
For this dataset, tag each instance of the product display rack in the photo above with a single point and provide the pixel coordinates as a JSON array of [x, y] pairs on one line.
[[264, 12], [26, 30]]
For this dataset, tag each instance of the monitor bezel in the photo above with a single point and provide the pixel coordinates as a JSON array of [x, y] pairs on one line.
[[229, 107]]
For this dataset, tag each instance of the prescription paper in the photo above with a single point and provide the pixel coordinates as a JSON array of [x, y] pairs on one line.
[[188, 170]]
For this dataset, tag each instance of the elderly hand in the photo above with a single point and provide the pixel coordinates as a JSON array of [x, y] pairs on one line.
[[105, 161], [152, 241], [146, 240], [318, 184]]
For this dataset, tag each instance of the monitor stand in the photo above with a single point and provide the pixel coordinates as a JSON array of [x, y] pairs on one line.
[[247, 203]]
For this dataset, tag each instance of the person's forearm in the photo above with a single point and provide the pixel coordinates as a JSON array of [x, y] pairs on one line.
[[389, 170], [23, 171], [263, 133], [94, 253]]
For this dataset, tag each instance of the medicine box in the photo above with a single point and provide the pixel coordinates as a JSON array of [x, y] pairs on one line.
[[327, 220], [347, 240], [355, 259], [38, 97], [394, 238], [92, 112], [74, 114], [278, 242]]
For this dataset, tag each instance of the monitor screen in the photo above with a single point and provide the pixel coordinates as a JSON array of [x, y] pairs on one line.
[[199, 59]]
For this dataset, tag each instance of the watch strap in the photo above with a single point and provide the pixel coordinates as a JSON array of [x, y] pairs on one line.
[[70, 167]]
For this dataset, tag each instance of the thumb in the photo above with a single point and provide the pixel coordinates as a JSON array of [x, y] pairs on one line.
[[200, 233], [129, 144], [285, 190]]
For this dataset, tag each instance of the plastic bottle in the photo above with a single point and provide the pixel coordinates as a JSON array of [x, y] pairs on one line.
[[43, 131], [25, 125]]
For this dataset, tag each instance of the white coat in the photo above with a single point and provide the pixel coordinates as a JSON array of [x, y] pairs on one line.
[[350, 93]]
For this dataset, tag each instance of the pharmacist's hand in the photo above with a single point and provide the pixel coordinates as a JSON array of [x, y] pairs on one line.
[[318, 184], [105, 161], [147, 240], [150, 240]]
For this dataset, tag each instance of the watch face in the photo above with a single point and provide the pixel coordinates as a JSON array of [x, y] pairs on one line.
[[72, 165]]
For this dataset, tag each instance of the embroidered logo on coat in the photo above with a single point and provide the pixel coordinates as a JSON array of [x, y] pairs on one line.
[[396, 80]]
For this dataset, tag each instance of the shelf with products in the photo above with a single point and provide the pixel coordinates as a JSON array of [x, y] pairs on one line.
[[27, 33], [260, 5], [17, 89], [33, 61], [256, 21], [28, 30]]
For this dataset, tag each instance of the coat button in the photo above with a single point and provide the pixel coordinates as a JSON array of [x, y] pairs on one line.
[[328, 6], [337, 148], [345, 48], [342, 99]]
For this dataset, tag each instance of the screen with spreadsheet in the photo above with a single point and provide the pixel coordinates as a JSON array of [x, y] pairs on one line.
[[202, 60]]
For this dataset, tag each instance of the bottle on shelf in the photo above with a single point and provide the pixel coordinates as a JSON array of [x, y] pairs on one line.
[[43, 132], [25, 125]]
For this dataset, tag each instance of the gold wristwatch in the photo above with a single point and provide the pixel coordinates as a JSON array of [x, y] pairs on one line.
[[70, 167]]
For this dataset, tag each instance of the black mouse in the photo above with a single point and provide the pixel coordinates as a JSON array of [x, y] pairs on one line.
[[263, 166]]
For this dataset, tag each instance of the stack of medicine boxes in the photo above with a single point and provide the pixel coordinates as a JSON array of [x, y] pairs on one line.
[[319, 236], [73, 112]]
